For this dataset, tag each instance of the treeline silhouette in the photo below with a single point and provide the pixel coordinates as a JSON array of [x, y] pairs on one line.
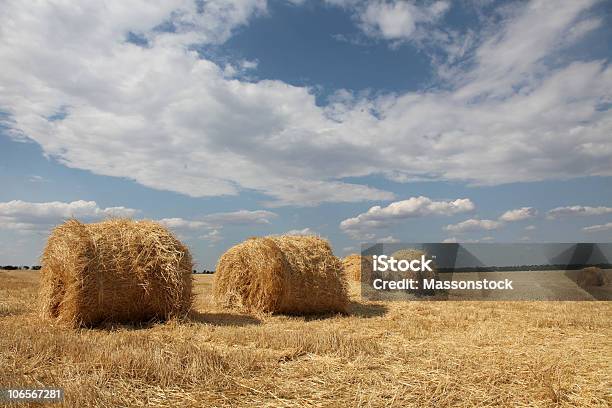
[[23, 267], [554, 267], [37, 267]]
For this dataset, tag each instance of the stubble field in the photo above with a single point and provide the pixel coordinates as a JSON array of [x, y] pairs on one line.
[[401, 354]]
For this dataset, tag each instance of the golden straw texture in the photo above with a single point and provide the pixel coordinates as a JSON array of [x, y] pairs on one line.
[[117, 270], [591, 276], [281, 274], [356, 267]]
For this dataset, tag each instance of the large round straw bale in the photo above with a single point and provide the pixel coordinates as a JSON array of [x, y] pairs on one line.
[[357, 267], [117, 270], [410, 254], [591, 276], [281, 274]]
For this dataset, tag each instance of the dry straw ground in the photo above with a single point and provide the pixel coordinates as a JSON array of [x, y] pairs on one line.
[[402, 354]]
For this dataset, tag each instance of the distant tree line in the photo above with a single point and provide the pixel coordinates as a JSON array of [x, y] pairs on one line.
[[203, 271], [37, 267], [556, 267], [23, 267]]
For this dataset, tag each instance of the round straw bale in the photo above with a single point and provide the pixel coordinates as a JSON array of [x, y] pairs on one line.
[[281, 274], [117, 270], [410, 254], [357, 267], [592, 276]]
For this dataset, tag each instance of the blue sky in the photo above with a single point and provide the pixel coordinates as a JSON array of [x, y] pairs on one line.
[[471, 121]]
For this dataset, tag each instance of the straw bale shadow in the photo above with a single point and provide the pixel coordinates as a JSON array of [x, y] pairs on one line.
[[355, 309], [223, 319], [216, 319], [111, 326]]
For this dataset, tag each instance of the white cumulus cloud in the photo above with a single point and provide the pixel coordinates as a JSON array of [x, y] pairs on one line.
[[17, 214], [577, 210], [390, 239], [240, 217], [219, 220], [455, 240], [397, 20], [381, 217], [182, 224], [303, 231], [599, 227], [156, 111], [474, 225], [212, 236], [519, 214]]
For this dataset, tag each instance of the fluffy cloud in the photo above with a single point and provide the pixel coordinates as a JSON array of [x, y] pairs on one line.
[[381, 217], [241, 217], [182, 224], [397, 20], [23, 215], [219, 220], [519, 214], [598, 228], [388, 240], [119, 91], [213, 236], [213, 224], [37, 179], [176, 22], [577, 210], [473, 225], [303, 231], [454, 240]]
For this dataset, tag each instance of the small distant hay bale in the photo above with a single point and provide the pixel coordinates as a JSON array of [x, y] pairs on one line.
[[410, 254], [281, 274], [591, 276], [357, 267], [117, 270]]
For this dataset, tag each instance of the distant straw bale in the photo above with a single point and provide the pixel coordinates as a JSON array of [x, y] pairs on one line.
[[591, 276], [410, 254], [357, 267], [281, 274], [117, 270]]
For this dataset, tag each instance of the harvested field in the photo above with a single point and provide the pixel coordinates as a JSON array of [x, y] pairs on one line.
[[402, 354]]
